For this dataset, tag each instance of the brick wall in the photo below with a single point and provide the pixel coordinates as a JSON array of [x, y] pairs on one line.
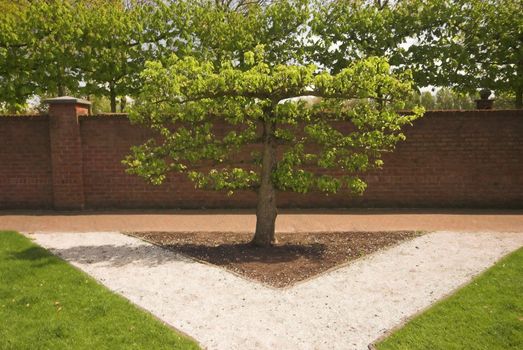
[[25, 162], [450, 159], [105, 142]]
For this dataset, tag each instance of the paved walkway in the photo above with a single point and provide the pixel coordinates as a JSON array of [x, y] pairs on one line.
[[347, 308], [288, 221]]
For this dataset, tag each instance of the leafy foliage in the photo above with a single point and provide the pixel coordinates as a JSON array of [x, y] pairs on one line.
[[219, 34], [442, 99], [88, 47], [477, 45], [99, 47], [461, 44], [208, 117], [346, 31]]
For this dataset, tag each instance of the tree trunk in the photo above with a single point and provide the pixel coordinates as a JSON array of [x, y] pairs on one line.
[[266, 211], [60, 84], [519, 98], [112, 96], [123, 103], [519, 86]]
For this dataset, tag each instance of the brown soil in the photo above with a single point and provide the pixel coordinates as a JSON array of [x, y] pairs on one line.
[[296, 257]]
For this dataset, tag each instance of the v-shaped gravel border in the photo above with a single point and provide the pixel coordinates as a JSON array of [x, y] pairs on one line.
[[346, 308]]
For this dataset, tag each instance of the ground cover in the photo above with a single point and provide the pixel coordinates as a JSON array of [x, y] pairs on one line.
[[46, 303], [296, 257]]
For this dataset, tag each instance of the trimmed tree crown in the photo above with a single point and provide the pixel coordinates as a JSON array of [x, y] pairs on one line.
[[211, 121]]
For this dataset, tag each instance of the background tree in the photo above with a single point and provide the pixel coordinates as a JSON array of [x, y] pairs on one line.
[[36, 46], [464, 45], [98, 47], [83, 47], [345, 31], [473, 44], [271, 141], [15, 85], [443, 98], [51, 33], [40, 47], [449, 99], [221, 33], [113, 50], [120, 36]]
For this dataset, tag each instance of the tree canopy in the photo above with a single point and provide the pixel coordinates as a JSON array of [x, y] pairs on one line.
[[87, 47], [476, 44], [99, 47], [345, 31], [462, 44]]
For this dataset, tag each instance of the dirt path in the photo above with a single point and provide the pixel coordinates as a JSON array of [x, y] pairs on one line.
[[347, 308], [288, 221]]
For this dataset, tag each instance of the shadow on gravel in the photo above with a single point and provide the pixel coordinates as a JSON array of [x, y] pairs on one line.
[[118, 255], [151, 255]]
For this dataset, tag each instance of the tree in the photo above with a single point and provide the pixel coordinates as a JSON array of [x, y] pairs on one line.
[[444, 98], [450, 99], [50, 33], [345, 31], [218, 33], [461, 44], [233, 129], [36, 46], [113, 49], [473, 44], [89, 47], [15, 84], [120, 36], [425, 99], [39, 49]]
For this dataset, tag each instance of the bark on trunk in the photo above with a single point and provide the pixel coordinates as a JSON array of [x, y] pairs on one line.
[[112, 96], [266, 211], [123, 103], [519, 87]]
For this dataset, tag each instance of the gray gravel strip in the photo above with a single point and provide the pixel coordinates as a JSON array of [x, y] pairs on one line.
[[347, 308]]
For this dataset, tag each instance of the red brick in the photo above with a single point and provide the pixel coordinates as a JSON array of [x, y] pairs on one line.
[[450, 159]]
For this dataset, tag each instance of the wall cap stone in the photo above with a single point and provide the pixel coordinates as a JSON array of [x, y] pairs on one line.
[[67, 100]]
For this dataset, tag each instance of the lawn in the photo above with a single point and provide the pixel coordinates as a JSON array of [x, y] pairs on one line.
[[47, 304], [485, 314]]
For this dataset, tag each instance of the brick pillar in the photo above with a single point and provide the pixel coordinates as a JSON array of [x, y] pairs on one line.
[[66, 151]]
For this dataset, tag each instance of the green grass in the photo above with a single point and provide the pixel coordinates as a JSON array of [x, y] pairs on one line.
[[486, 314], [47, 304]]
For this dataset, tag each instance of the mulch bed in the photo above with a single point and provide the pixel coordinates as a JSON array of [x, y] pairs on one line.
[[296, 257]]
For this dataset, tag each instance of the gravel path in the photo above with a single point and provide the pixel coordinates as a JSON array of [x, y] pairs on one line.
[[347, 308]]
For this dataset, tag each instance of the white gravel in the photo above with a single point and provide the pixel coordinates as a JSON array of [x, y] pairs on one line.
[[347, 308]]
